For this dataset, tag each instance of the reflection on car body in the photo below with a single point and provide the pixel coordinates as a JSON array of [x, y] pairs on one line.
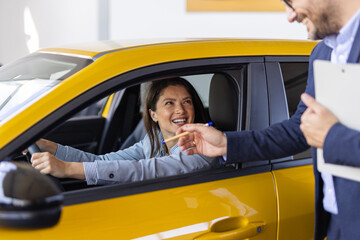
[[244, 84]]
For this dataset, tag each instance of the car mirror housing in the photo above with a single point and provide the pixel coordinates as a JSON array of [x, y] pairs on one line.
[[28, 199]]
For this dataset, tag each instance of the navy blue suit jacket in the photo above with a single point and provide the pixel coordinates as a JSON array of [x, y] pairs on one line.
[[342, 146]]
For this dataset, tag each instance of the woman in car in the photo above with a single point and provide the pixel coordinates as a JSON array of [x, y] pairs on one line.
[[170, 103]]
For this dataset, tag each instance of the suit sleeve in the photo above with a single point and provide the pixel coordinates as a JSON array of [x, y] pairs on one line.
[[342, 146], [279, 140]]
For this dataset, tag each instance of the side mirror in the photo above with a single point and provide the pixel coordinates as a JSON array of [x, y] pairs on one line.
[[28, 199]]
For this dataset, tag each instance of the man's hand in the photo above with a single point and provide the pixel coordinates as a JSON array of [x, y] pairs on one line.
[[202, 139], [316, 121], [47, 146]]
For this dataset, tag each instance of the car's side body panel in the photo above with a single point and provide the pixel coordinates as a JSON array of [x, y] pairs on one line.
[[177, 213], [294, 178], [295, 199]]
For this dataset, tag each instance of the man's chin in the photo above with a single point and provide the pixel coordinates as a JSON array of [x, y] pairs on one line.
[[313, 35]]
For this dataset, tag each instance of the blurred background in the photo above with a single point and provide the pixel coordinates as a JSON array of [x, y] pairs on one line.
[[27, 25]]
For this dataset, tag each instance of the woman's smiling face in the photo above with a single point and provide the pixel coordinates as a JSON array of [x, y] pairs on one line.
[[173, 109]]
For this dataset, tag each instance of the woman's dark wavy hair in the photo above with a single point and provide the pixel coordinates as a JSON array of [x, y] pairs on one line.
[[152, 97]]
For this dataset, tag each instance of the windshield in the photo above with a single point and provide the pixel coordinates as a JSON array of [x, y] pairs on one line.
[[27, 78]]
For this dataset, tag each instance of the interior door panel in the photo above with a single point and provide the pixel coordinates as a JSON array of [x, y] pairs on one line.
[[79, 132]]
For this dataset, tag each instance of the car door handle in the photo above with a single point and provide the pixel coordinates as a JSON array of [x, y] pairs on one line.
[[232, 228]]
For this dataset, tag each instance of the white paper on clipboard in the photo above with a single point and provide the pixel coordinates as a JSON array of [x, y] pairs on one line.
[[337, 87]]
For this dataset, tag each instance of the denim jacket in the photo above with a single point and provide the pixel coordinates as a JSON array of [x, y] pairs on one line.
[[134, 163]]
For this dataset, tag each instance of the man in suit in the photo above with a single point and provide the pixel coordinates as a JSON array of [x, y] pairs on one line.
[[336, 199]]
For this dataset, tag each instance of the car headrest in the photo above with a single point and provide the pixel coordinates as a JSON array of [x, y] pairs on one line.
[[223, 102]]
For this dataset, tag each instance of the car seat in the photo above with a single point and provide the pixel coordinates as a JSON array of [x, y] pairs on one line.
[[123, 120], [224, 102], [137, 135]]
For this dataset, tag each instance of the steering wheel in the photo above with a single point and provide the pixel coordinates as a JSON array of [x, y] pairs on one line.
[[33, 148]]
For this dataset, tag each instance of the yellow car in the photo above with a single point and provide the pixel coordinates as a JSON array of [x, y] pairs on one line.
[[87, 96]]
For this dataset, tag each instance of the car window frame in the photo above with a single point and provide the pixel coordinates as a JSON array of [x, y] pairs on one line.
[[278, 107], [114, 84]]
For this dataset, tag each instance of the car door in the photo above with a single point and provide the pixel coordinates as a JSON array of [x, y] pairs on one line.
[[233, 202], [287, 78]]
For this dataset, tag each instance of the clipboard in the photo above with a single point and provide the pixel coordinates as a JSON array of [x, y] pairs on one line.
[[336, 86]]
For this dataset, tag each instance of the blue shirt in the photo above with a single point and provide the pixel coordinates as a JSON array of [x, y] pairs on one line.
[[134, 163], [341, 46]]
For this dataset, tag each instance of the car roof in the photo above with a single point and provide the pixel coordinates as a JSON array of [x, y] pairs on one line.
[[242, 47]]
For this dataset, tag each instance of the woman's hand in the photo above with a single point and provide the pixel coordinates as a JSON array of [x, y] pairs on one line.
[[47, 146], [47, 163]]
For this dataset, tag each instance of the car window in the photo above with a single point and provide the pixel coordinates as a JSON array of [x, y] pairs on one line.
[[95, 109], [201, 84], [125, 122], [295, 79], [24, 80]]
